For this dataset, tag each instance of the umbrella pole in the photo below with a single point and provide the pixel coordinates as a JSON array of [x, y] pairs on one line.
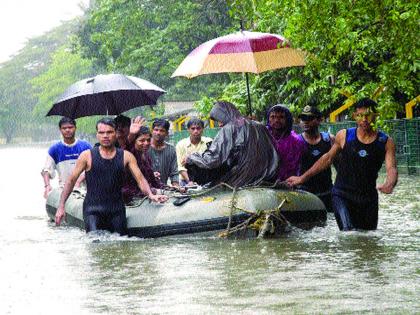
[[249, 95]]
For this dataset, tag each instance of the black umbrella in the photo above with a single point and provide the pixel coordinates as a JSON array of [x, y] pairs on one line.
[[105, 94]]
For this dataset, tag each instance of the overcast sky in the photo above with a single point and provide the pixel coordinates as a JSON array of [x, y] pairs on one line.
[[23, 19]]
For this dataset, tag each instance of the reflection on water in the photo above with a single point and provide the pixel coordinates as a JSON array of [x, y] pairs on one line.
[[47, 269]]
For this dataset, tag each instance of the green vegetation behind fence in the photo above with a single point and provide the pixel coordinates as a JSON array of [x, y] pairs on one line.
[[405, 132]]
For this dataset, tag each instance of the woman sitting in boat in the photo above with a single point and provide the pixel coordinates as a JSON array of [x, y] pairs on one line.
[[241, 154], [141, 146]]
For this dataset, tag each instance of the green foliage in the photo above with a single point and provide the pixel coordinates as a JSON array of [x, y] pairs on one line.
[[352, 46], [150, 39], [66, 68], [204, 105], [16, 98]]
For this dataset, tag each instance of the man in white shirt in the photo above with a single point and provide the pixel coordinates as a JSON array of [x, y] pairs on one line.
[[194, 143], [62, 155]]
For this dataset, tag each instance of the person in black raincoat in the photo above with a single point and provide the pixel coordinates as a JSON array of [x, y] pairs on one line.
[[242, 153]]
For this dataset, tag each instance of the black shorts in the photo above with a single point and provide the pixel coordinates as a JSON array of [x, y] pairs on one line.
[[100, 219]]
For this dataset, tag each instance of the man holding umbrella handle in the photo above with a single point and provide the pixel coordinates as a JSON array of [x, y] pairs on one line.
[[103, 207]]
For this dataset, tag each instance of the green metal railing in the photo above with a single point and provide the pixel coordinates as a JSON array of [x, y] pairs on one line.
[[405, 132]]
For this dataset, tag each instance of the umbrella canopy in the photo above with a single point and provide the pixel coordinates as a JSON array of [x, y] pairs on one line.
[[243, 51], [248, 52], [108, 94]]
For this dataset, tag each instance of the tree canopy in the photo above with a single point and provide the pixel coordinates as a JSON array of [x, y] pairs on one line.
[[17, 99], [150, 38], [353, 48]]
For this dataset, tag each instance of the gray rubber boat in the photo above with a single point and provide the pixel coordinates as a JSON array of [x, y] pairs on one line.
[[204, 211]]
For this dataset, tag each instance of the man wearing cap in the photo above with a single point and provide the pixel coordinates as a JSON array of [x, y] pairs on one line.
[[362, 151], [318, 143]]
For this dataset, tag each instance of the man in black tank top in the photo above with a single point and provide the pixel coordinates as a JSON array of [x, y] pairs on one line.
[[104, 165], [317, 144], [363, 151]]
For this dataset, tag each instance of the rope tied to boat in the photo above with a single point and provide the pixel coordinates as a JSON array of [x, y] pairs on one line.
[[232, 208], [265, 222]]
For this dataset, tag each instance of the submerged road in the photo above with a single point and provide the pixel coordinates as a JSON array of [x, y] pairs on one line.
[[49, 270]]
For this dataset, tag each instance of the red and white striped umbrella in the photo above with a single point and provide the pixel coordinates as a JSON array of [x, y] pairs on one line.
[[243, 51]]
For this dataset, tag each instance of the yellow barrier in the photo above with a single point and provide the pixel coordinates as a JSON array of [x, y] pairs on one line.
[[348, 103], [177, 123], [351, 100], [409, 107]]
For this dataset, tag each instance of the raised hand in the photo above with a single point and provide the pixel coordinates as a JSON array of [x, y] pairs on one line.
[[136, 123]]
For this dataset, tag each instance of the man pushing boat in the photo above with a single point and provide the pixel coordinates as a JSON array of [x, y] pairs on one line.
[[104, 165], [362, 151]]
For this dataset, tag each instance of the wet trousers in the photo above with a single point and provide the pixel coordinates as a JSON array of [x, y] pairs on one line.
[[326, 199], [355, 215]]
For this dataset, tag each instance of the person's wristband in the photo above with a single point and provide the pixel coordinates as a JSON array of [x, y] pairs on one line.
[[45, 186]]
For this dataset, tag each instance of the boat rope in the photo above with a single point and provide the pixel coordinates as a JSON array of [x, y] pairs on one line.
[[176, 194], [264, 221], [232, 208], [136, 202], [206, 191]]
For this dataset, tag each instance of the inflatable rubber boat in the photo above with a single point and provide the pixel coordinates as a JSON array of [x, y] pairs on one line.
[[207, 210]]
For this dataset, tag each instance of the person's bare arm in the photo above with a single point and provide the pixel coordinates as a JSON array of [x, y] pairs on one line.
[[47, 185], [184, 176], [47, 173], [80, 179], [332, 137], [325, 161], [81, 165], [131, 162], [391, 168]]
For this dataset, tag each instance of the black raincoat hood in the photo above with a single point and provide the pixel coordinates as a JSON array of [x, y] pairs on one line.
[[225, 112], [242, 153]]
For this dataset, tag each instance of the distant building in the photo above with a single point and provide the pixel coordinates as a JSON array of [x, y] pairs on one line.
[[176, 109]]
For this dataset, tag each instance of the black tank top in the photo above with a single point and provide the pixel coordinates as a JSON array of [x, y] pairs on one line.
[[104, 182], [359, 165], [320, 183]]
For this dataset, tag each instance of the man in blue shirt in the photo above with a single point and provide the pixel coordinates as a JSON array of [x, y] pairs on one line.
[[62, 155]]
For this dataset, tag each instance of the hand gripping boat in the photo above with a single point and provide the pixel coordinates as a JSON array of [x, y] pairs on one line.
[[209, 210]]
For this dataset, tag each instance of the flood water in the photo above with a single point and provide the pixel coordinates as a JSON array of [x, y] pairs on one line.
[[60, 270]]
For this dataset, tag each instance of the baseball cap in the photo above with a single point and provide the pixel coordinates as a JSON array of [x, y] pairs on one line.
[[309, 110]]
